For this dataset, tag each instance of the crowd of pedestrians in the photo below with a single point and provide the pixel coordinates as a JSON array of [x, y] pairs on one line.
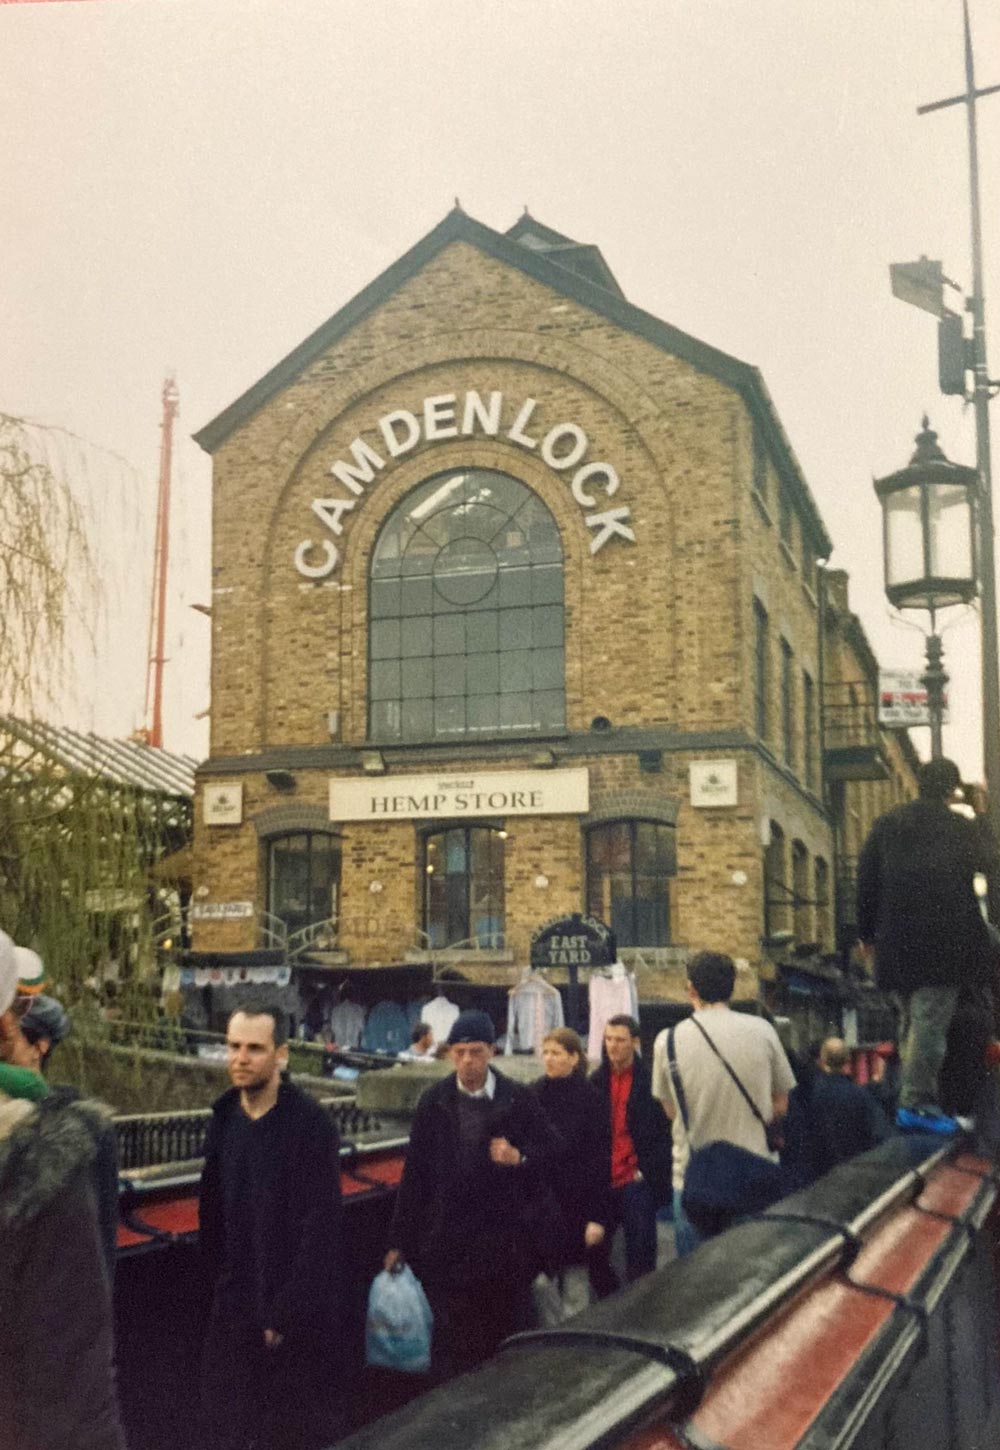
[[518, 1206]]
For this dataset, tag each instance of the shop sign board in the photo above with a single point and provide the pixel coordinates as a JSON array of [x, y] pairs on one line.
[[573, 941], [713, 783], [425, 797], [223, 804], [562, 445], [220, 910], [902, 699]]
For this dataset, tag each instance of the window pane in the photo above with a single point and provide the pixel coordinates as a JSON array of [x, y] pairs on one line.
[[547, 625], [516, 629], [418, 719], [417, 597], [547, 585], [484, 674], [416, 637], [385, 680], [482, 632], [449, 675], [416, 679], [515, 670], [385, 639], [449, 716], [515, 587], [547, 667], [385, 597], [549, 708], [515, 711], [483, 712], [449, 634]]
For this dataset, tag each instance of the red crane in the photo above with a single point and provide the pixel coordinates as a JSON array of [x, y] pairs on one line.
[[153, 710]]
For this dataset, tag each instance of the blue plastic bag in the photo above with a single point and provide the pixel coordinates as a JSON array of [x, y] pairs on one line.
[[399, 1323]]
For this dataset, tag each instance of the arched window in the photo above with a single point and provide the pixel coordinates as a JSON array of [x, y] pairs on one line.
[[463, 886], [466, 634], [303, 878], [629, 866]]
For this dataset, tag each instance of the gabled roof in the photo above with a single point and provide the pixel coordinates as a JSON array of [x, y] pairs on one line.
[[577, 282], [122, 762]]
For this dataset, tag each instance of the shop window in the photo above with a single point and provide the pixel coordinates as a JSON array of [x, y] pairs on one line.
[[463, 870], [629, 868], [761, 681], [303, 879], [466, 607]]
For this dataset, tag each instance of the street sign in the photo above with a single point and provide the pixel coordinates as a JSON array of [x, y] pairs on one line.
[[902, 699], [920, 283]]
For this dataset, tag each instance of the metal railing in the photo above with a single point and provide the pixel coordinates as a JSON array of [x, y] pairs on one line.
[[847, 720], [148, 1140]]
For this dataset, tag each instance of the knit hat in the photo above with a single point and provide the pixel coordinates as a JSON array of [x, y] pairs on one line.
[[30, 972], [472, 1026], [8, 972], [45, 1018]]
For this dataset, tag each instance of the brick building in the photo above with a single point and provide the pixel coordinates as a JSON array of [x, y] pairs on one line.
[[517, 612]]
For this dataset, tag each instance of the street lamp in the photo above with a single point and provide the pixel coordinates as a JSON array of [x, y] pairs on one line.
[[929, 546]]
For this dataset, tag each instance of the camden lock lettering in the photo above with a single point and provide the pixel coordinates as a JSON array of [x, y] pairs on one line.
[[563, 447]]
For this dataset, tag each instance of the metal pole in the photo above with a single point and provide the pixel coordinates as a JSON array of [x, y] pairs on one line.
[[934, 680], [987, 565]]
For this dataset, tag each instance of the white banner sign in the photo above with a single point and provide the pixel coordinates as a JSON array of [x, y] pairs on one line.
[[902, 698], [421, 797], [221, 910], [713, 783], [223, 804]]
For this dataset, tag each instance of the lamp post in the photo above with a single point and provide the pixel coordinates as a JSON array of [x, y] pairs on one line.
[[929, 548]]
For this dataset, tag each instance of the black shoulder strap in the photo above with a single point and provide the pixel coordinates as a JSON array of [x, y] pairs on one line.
[[749, 1100], [675, 1075]]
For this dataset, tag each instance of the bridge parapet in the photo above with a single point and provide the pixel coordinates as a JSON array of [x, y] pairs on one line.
[[857, 1314]]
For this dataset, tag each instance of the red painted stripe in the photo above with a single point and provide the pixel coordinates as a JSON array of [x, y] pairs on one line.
[[769, 1392], [127, 1237], [173, 1216]]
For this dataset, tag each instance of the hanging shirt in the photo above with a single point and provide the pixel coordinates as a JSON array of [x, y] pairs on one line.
[[347, 1022], [608, 997], [624, 1160], [386, 1029], [535, 1009], [439, 1014]]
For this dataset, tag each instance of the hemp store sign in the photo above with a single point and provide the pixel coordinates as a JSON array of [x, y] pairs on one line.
[[564, 447], [423, 797]]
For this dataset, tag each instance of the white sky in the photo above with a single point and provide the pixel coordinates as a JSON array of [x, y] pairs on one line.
[[198, 184]]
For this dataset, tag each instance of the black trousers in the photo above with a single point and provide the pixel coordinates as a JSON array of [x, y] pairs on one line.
[[472, 1321], [255, 1398]]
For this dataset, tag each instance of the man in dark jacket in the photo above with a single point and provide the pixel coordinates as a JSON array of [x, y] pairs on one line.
[[640, 1165], [57, 1389], [919, 919], [270, 1235], [472, 1216]]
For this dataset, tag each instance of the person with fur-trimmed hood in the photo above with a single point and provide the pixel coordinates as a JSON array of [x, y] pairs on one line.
[[57, 1386]]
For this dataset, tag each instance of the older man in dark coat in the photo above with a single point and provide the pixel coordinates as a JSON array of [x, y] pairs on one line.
[[919, 919], [270, 1236], [472, 1216]]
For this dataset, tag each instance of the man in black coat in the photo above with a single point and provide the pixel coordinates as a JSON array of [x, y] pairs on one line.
[[641, 1159], [919, 919], [269, 1215], [472, 1216]]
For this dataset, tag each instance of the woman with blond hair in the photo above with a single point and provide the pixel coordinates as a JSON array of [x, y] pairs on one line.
[[577, 1175]]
